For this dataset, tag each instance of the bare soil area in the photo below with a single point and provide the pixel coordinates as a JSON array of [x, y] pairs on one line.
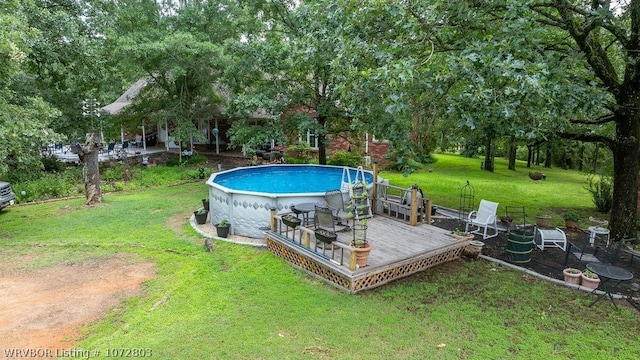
[[45, 308]]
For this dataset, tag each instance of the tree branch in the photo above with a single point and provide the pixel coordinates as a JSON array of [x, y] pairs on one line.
[[588, 138], [604, 119]]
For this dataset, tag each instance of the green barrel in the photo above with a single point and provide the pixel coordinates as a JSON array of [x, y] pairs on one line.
[[519, 246]]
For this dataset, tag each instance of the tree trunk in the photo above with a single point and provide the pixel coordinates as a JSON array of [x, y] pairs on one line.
[[581, 158], [92, 173], [596, 151], [529, 155], [626, 164], [512, 153], [488, 155], [547, 158]]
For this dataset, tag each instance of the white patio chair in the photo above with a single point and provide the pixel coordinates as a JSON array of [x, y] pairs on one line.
[[484, 218]]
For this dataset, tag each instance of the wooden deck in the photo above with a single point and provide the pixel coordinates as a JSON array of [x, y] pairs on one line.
[[398, 250]]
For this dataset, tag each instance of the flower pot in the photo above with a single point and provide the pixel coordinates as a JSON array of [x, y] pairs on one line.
[[201, 216], [326, 236], [572, 276], [291, 221], [205, 204], [467, 237], [473, 250], [570, 224], [543, 221], [362, 254], [589, 282], [222, 231]]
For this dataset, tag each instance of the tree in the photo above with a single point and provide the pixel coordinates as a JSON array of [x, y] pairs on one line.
[[25, 118], [285, 66], [530, 69]]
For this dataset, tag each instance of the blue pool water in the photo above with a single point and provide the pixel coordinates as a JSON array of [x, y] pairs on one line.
[[286, 179]]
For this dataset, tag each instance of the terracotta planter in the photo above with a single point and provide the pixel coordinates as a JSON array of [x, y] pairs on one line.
[[467, 237], [362, 254], [571, 224], [572, 276], [591, 283], [543, 221]]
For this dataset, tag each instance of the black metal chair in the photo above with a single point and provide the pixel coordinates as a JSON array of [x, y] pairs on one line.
[[335, 201], [585, 254]]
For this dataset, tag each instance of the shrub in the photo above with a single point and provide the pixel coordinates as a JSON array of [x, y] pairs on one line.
[[300, 153], [601, 191], [344, 158]]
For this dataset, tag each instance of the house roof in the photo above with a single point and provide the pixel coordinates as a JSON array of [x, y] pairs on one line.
[[126, 98]]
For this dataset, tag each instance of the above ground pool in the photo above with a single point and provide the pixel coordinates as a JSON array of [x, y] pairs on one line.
[[246, 195]]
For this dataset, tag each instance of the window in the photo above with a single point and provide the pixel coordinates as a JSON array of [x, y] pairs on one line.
[[312, 139]]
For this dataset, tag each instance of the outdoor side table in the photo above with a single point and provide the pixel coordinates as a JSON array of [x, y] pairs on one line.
[[305, 209], [608, 273], [596, 230]]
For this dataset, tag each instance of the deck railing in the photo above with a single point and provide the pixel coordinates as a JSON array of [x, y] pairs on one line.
[[392, 201], [336, 252]]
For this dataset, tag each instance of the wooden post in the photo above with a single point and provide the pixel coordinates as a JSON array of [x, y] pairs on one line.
[[272, 221], [352, 260], [413, 218], [374, 201], [306, 239], [429, 204]]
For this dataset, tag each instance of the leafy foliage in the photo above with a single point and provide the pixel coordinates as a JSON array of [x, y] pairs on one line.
[[601, 190]]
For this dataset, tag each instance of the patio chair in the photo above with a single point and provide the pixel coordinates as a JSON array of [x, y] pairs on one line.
[[586, 254], [483, 218], [325, 220], [335, 201]]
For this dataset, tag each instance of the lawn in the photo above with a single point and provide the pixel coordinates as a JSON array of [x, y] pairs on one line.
[[240, 302], [561, 191]]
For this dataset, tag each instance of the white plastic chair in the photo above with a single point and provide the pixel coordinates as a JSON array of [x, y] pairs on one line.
[[484, 218]]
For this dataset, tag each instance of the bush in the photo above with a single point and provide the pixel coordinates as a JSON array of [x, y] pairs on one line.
[[49, 185], [601, 191], [299, 154], [344, 158]]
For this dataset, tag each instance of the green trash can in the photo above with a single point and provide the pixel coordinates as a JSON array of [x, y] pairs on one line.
[[519, 246]]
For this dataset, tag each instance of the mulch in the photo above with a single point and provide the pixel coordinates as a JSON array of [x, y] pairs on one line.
[[551, 261]]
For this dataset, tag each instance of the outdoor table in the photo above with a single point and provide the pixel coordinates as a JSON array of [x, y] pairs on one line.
[[305, 209], [606, 274], [596, 230]]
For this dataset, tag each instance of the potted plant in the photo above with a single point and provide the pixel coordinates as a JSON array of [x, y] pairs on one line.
[[543, 221], [571, 220], [359, 244], [325, 236], [572, 276], [462, 235], [290, 220], [222, 228], [205, 204], [590, 279], [201, 215]]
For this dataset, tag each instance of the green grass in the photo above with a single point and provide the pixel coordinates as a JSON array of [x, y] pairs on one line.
[[563, 190], [244, 303]]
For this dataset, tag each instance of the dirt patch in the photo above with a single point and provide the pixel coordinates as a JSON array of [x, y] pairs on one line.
[[45, 308]]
